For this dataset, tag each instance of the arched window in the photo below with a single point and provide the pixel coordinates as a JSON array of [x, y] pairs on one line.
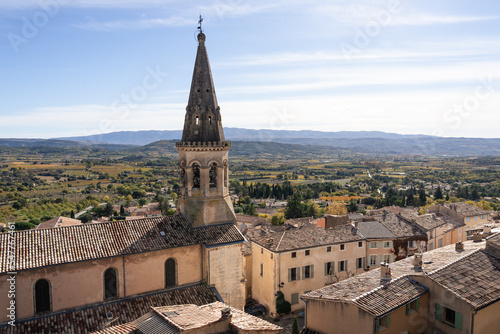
[[225, 174], [110, 283], [42, 296], [196, 175], [182, 175], [209, 119], [197, 120], [170, 273], [213, 174]]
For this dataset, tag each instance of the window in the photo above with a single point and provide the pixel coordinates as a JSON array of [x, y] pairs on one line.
[[308, 271], [342, 265], [170, 273], [448, 316], [213, 175], [468, 219], [110, 283], [295, 298], [307, 252], [360, 244], [475, 217], [293, 274], [342, 247], [209, 119], [294, 254], [412, 306], [387, 244], [329, 268], [382, 323], [440, 243], [197, 120], [196, 175], [360, 262], [262, 251], [261, 269], [373, 244], [271, 256], [373, 260], [329, 249], [42, 296], [412, 244], [387, 258]]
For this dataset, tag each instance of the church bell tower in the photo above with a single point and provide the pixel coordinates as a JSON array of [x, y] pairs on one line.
[[203, 151]]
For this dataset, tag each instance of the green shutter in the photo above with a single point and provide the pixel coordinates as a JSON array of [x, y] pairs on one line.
[[439, 312], [298, 273], [377, 325], [407, 309], [289, 275], [388, 321], [417, 304], [458, 320], [326, 269], [304, 271], [312, 270]]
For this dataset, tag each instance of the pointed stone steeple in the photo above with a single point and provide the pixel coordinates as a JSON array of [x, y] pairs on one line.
[[203, 152], [203, 121]]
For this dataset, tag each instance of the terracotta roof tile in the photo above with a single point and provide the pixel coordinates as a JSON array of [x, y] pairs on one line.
[[474, 278], [46, 247], [94, 318]]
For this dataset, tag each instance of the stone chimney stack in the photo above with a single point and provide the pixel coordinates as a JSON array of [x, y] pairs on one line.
[[459, 247], [385, 273], [417, 262]]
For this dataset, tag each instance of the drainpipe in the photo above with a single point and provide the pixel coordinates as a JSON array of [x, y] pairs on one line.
[[124, 282]]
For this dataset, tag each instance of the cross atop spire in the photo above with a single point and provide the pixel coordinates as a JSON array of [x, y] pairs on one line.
[[200, 21]]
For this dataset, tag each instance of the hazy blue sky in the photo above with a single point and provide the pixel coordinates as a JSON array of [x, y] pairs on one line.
[[78, 67]]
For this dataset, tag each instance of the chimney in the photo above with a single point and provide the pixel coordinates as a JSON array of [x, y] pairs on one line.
[[417, 262], [459, 247], [487, 229], [477, 238], [385, 273], [226, 313]]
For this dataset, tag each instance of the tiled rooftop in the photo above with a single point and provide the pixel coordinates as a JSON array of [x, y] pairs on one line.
[[93, 318], [375, 230], [309, 235], [429, 221], [173, 319], [58, 222], [474, 278], [46, 247], [359, 285], [466, 209], [397, 293], [399, 226]]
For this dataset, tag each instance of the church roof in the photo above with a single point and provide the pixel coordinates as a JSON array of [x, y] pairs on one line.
[[47, 247], [203, 119], [123, 311]]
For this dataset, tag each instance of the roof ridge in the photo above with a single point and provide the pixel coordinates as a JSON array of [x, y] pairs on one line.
[[453, 262], [379, 287]]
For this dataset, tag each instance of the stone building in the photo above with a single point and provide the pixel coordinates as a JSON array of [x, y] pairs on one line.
[[84, 278]]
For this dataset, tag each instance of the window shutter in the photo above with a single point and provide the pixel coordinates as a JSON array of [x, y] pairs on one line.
[[289, 275], [417, 304], [312, 270], [377, 325], [346, 266], [439, 312], [407, 309], [298, 273], [458, 320], [304, 271], [388, 320], [326, 268]]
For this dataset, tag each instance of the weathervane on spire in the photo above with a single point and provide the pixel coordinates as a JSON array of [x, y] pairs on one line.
[[200, 21]]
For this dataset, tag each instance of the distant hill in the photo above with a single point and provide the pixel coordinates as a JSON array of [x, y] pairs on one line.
[[364, 142], [59, 143], [147, 137]]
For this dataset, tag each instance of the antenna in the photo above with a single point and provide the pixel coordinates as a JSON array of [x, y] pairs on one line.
[[200, 21]]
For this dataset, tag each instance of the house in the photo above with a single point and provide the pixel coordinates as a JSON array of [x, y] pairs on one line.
[[469, 214], [214, 318], [58, 222], [297, 260], [452, 289]]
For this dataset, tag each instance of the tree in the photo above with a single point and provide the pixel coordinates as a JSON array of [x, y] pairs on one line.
[[278, 219], [352, 207], [294, 207], [438, 194], [72, 214], [336, 208], [422, 196], [295, 327], [282, 306], [122, 210], [142, 201]]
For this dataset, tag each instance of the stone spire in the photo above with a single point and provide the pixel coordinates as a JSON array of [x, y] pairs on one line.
[[203, 121]]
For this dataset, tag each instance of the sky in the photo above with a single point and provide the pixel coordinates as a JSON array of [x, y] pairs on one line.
[[82, 67]]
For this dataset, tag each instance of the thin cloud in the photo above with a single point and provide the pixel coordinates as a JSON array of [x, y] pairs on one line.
[[424, 19], [135, 24]]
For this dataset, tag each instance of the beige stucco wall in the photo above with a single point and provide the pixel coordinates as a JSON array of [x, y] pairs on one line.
[[264, 287], [77, 284], [486, 320], [337, 317], [248, 276], [276, 266], [438, 295], [415, 322], [379, 251], [226, 268]]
